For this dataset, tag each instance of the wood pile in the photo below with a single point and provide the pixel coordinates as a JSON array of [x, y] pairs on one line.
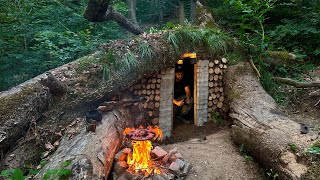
[[149, 88], [216, 87]]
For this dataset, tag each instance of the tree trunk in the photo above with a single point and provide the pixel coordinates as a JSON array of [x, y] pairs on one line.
[[32, 102], [192, 10], [91, 153], [261, 127], [18, 108], [98, 11], [132, 10], [181, 13]]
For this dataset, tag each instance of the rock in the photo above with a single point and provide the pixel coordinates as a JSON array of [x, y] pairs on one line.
[[169, 176], [178, 155], [136, 177], [158, 152], [124, 176], [120, 167], [158, 177], [186, 169], [170, 156], [122, 155], [181, 163], [175, 167]]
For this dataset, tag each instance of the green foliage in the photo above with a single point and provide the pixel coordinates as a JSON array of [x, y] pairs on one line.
[[146, 51], [217, 118], [244, 153], [59, 173], [37, 35], [252, 18], [213, 41], [293, 147], [272, 175], [315, 148], [12, 174]]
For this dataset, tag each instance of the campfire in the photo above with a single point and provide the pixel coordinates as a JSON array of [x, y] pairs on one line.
[[142, 160]]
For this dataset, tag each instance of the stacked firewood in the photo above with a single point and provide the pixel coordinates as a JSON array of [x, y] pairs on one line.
[[150, 88], [216, 89]]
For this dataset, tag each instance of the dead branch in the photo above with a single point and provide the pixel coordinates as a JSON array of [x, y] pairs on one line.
[[254, 68], [296, 84]]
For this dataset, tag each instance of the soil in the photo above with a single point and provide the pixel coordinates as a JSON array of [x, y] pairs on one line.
[[211, 152]]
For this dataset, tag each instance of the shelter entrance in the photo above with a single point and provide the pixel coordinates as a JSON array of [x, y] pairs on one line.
[[183, 97]]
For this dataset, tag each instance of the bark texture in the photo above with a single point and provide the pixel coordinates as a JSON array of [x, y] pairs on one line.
[[262, 128], [92, 154], [18, 108], [86, 89], [101, 10]]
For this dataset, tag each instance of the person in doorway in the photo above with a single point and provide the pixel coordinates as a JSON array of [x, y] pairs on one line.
[[182, 96]]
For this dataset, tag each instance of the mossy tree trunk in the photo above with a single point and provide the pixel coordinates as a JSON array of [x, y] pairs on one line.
[[91, 154], [32, 103], [268, 135]]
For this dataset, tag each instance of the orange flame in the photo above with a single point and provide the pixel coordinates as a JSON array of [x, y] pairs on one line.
[[140, 159]]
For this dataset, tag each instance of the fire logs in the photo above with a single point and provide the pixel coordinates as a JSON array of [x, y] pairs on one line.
[[171, 165], [150, 88], [216, 90]]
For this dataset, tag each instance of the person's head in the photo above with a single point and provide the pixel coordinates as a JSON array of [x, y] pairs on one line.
[[179, 75]]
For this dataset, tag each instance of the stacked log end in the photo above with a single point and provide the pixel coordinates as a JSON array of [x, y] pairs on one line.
[[149, 87], [216, 100]]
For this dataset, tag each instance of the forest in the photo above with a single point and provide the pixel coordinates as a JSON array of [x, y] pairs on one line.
[[279, 39]]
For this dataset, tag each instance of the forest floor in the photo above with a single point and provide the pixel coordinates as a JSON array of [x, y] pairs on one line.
[[210, 148], [212, 153]]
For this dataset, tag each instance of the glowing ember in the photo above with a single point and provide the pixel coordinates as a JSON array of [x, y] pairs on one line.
[[140, 159]]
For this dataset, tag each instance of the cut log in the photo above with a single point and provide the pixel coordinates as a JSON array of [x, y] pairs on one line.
[[215, 77], [210, 77], [261, 127], [151, 97], [157, 98], [154, 80], [216, 61], [211, 70], [217, 70], [219, 105], [150, 113], [224, 60], [156, 104], [155, 121], [211, 64], [91, 154]]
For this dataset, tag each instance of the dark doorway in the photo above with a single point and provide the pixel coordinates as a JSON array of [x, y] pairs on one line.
[[185, 113]]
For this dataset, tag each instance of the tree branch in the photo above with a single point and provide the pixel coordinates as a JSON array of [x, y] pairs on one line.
[[295, 83], [101, 10], [122, 21]]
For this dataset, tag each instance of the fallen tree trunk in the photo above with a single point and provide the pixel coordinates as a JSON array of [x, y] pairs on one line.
[[86, 89], [296, 83], [262, 128], [91, 154]]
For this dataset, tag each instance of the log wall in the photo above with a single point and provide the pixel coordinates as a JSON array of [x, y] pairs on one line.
[[147, 112], [216, 95]]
